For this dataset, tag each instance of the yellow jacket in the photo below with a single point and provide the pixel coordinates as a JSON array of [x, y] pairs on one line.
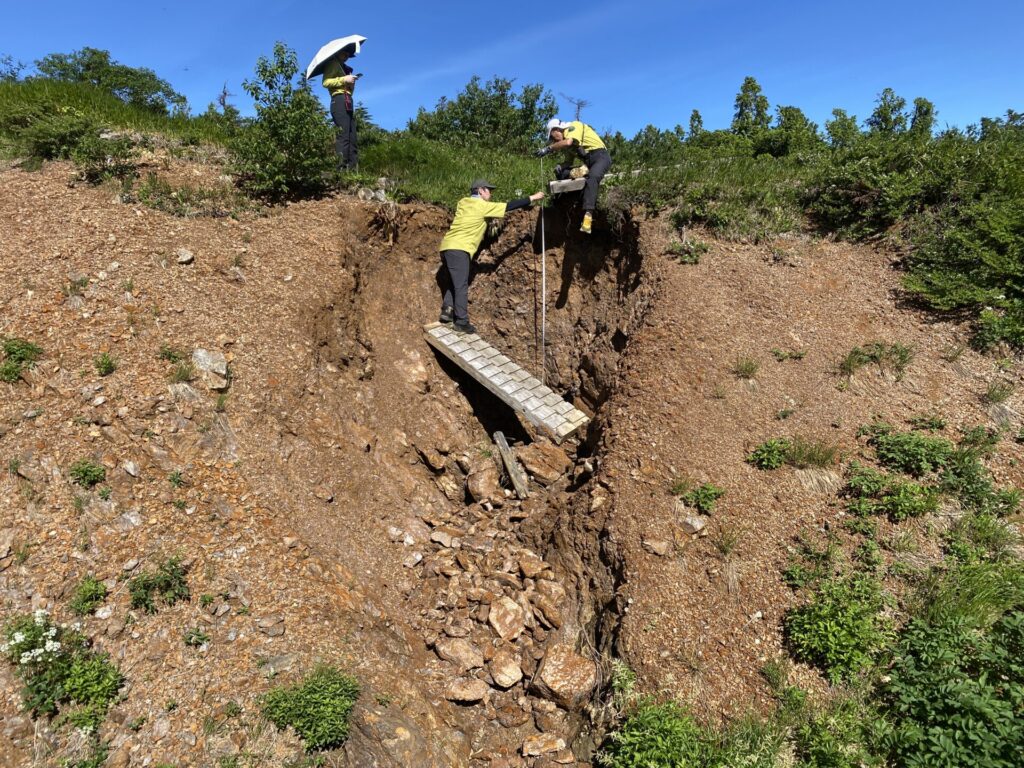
[[468, 226], [333, 73], [583, 136]]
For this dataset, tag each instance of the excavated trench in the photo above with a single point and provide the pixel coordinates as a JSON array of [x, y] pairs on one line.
[[353, 417]]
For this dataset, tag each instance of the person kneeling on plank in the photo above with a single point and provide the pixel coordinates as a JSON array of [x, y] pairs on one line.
[[580, 140]]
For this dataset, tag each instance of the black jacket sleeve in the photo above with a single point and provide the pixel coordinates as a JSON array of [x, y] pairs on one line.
[[519, 202]]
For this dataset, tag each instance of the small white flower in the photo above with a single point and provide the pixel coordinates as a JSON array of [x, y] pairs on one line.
[[18, 638], [40, 616], [51, 632], [52, 646]]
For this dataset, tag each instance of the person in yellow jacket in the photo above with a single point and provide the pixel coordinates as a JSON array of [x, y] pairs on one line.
[[462, 241], [340, 82], [579, 140]]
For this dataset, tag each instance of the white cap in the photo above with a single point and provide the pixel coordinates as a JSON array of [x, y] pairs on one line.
[[553, 123]]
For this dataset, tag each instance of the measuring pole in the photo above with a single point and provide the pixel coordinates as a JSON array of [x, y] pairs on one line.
[[543, 286]]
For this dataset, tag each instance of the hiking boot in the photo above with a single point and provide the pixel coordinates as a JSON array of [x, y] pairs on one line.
[[446, 315], [588, 220], [464, 327]]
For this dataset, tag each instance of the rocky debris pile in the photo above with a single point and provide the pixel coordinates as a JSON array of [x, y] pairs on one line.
[[493, 610]]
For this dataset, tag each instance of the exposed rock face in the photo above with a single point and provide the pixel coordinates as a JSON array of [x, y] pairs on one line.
[[385, 737], [565, 677], [506, 618], [544, 462], [483, 484], [466, 691], [462, 653], [505, 669]]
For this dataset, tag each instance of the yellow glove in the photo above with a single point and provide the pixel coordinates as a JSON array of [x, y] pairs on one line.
[[578, 172]]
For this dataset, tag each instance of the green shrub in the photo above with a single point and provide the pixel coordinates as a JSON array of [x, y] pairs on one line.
[[99, 158], [689, 251], [167, 582], [839, 735], [196, 637], [954, 694], [841, 629], [655, 736], [873, 493], [89, 595], [19, 354], [770, 454], [999, 391], [910, 452], [87, 473], [287, 151], [318, 708], [702, 498], [980, 536], [60, 672]]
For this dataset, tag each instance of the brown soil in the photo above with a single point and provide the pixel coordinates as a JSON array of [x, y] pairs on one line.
[[325, 498]]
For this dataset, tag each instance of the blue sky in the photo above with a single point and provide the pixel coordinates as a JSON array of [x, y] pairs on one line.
[[635, 63]]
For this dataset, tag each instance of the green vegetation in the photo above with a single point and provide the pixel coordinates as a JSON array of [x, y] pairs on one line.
[[746, 367], [18, 355], [89, 595], [796, 452], [105, 364], [196, 637], [782, 355], [61, 674], [909, 452], [689, 251], [87, 473], [998, 391], [318, 708], [894, 357], [167, 583], [701, 498]]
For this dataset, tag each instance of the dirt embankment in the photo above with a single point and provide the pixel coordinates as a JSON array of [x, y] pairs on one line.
[[342, 502]]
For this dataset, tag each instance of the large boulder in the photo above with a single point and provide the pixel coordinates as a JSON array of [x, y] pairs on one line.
[[565, 677]]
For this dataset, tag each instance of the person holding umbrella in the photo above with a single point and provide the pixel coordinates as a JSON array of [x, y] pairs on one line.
[[580, 140], [340, 81], [462, 241]]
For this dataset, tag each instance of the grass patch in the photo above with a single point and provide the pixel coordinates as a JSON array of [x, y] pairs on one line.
[[998, 391], [105, 364], [909, 452], [796, 452], [746, 367], [893, 357], [18, 356]]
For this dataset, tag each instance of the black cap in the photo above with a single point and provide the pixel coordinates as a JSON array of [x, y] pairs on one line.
[[480, 184]]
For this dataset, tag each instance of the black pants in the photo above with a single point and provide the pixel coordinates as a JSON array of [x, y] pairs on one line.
[[598, 161], [455, 283], [345, 139]]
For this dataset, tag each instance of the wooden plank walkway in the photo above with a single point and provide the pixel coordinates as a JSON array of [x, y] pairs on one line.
[[509, 382]]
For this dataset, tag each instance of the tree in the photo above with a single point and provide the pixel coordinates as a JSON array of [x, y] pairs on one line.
[[751, 114], [137, 86], [922, 122], [889, 117], [10, 70], [491, 115], [842, 129], [286, 151], [792, 132], [696, 123]]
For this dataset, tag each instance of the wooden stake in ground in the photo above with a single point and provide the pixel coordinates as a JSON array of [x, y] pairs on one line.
[[515, 474]]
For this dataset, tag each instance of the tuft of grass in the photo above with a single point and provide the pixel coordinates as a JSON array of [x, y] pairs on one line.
[[196, 637], [998, 391], [170, 354], [18, 355], [895, 357], [183, 373], [105, 364], [796, 452], [746, 367], [782, 355]]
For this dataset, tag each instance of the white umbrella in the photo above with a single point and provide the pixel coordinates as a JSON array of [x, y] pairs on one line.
[[329, 50]]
